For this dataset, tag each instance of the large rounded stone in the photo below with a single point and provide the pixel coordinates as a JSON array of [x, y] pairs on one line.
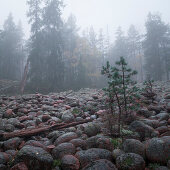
[[143, 129], [162, 116], [152, 123], [13, 121], [157, 149], [19, 166], [144, 112], [65, 138], [67, 116], [92, 129], [69, 162], [63, 149], [12, 143], [130, 161], [116, 153], [134, 146], [4, 157], [36, 144], [85, 157], [35, 157], [101, 164], [104, 143], [79, 143]]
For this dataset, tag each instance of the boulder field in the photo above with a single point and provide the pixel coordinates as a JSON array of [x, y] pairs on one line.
[[67, 144]]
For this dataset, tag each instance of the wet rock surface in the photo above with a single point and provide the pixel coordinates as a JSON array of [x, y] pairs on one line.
[[85, 146]]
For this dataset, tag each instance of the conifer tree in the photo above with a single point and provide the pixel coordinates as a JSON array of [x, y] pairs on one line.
[[121, 90]]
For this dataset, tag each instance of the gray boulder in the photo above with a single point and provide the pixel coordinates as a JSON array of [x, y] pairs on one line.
[[35, 157], [130, 161], [101, 164], [157, 149], [85, 157], [134, 146]]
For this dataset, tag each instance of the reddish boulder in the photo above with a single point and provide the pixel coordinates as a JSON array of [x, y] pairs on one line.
[[162, 129], [4, 157], [65, 138], [19, 166], [45, 118], [79, 143], [9, 113]]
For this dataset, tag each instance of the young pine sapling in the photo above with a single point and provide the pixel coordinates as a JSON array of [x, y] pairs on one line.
[[121, 91]]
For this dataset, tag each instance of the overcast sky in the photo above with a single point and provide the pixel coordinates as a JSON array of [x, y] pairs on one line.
[[98, 13]]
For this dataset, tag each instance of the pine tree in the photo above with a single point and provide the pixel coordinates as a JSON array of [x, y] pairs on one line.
[[36, 53], [134, 47], [10, 50], [156, 30], [54, 44], [120, 43], [121, 90]]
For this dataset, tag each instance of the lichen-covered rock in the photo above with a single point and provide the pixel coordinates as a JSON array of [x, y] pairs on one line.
[[157, 109], [116, 153], [134, 146], [79, 143], [85, 157], [162, 129], [150, 122], [65, 138], [12, 143], [69, 162], [20, 166], [162, 116], [143, 129], [101, 164], [63, 149], [92, 129], [144, 112], [130, 161], [4, 157], [157, 149], [34, 157], [36, 144], [104, 143], [67, 116], [162, 168]]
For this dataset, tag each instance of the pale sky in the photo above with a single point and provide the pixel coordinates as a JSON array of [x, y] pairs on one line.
[[97, 13]]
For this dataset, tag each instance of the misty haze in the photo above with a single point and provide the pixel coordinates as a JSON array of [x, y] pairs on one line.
[[84, 85]]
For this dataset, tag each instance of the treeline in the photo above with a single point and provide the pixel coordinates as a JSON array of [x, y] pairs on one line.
[[11, 50], [147, 53], [60, 58]]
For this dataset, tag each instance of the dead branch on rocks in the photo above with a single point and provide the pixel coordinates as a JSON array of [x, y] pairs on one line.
[[39, 130]]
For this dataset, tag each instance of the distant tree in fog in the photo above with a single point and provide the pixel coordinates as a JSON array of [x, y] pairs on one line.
[[11, 53], [156, 47]]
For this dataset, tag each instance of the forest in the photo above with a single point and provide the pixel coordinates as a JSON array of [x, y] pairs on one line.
[[59, 58]]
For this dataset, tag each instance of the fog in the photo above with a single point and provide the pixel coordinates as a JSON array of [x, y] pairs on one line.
[[56, 45], [96, 13]]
